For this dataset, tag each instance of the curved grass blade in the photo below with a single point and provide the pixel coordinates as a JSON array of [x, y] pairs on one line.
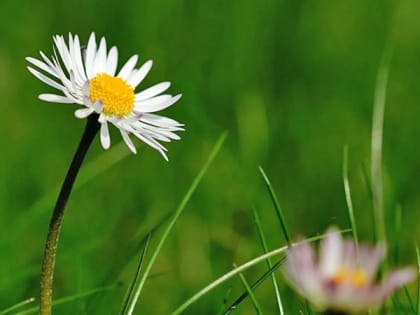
[[17, 306], [226, 277], [264, 277], [72, 298], [255, 285], [175, 217], [348, 196], [269, 264], [376, 145], [276, 204], [236, 271], [130, 290]]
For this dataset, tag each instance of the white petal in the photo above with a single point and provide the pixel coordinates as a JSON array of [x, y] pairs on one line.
[[90, 56], [63, 52], [157, 103], [331, 253], [97, 106], [159, 133], [48, 62], [62, 76], [41, 65], [83, 112], [153, 91], [128, 141], [112, 61], [105, 138], [300, 269], [158, 120], [46, 79], [128, 67], [154, 144], [54, 98], [138, 76], [76, 54], [369, 258], [99, 65], [397, 279]]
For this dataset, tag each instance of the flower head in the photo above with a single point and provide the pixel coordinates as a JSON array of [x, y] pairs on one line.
[[88, 77], [342, 278]]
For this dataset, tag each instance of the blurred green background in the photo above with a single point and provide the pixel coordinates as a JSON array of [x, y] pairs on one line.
[[291, 80]]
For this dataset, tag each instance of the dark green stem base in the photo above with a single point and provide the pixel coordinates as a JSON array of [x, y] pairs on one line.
[[92, 128]]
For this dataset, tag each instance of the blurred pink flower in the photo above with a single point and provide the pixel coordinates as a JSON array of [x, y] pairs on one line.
[[342, 278]]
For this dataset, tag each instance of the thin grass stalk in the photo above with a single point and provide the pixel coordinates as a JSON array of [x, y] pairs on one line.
[[226, 277], [130, 289], [255, 285], [269, 264], [175, 217], [236, 271], [376, 146], [396, 238], [348, 196], [261, 279], [17, 306], [224, 303], [71, 298], [251, 294], [277, 207]]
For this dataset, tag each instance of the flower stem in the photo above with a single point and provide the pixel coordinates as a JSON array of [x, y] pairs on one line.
[[91, 129]]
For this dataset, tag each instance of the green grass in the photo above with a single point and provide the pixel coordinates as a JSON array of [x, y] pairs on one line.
[[291, 81]]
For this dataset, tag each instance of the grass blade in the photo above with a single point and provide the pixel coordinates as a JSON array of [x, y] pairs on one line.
[[397, 232], [255, 285], [376, 146], [236, 271], [250, 293], [409, 299], [175, 217], [269, 264], [130, 290], [264, 277], [276, 204], [348, 196], [17, 306], [224, 303], [226, 277], [72, 298]]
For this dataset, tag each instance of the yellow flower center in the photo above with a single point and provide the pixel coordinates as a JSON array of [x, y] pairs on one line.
[[356, 277], [116, 95]]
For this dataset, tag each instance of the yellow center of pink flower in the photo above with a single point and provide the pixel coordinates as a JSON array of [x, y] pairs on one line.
[[116, 95], [356, 277]]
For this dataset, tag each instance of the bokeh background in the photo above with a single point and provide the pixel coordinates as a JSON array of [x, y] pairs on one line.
[[291, 81]]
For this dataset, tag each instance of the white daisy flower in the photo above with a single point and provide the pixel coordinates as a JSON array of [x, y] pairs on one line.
[[89, 77], [341, 279]]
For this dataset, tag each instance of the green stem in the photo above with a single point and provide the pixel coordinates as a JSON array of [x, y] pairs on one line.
[[91, 129]]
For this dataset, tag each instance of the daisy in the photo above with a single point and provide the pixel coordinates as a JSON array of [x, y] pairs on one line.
[[342, 279], [89, 77]]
